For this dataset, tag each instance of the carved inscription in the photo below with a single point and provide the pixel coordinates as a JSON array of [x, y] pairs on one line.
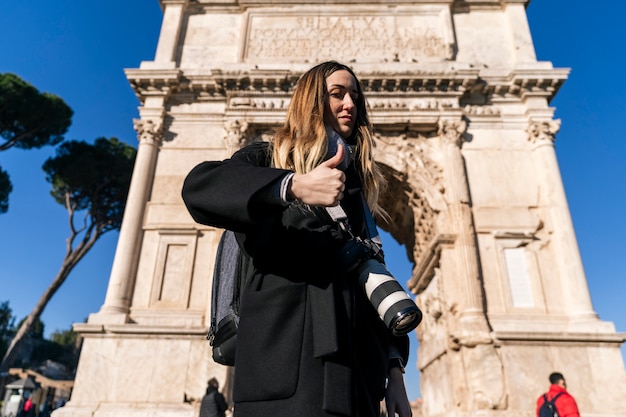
[[380, 38]]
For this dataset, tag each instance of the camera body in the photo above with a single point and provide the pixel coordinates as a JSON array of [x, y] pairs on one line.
[[355, 251], [364, 259]]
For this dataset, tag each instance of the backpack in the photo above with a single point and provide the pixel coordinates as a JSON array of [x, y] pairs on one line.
[[548, 409], [28, 405], [232, 268]]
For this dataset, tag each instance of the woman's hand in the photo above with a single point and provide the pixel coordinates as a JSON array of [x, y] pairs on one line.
[[323, 186], [395, 398]]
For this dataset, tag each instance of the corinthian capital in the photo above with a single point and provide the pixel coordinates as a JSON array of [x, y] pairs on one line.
[[236, 134], [539, 132], [148, 131], [452, 131]]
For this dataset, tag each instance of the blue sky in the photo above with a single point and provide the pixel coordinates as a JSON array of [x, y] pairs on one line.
[[78, 50]]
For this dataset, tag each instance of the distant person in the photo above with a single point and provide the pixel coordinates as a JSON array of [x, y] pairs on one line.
[[44, 409], [213, 403], [28, 410], [564, 403]]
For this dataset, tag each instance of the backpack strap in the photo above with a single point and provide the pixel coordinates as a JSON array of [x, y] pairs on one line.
[[556, 396], [553, 400]]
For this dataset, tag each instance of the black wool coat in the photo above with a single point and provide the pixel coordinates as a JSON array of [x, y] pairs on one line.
[[309, 343]]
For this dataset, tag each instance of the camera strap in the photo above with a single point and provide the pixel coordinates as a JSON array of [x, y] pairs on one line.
[[338, 214], [370, 224]]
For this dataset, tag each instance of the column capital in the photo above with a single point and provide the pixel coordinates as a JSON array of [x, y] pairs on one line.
[[452, 131], [236, 134], [149, 131], [543, 132]]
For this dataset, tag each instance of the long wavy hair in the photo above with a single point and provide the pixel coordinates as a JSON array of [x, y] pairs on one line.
[[301, 144]]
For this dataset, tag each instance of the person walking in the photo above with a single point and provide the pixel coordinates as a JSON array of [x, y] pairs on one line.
[[564, 403], [213, 403]]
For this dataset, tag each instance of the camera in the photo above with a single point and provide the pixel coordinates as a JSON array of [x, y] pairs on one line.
[[364, 259]]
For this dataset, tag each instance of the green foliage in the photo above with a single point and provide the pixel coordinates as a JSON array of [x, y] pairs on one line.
[[45, 350], [64, 348], [37, 330], [7, 326], [64, 337], [93, 177], [5, 190], [30, 119]]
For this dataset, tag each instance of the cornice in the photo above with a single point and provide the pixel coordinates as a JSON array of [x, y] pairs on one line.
[[467, 5], [565, 337], [456, 4], [235, 6], [153, 82], [174, 2], [523, 83], [253, 3], [219, 84]]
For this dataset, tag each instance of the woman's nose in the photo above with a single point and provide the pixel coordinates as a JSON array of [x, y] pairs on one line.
[[348, 103]]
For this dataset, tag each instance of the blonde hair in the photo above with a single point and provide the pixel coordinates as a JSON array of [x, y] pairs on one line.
[[301, 144]]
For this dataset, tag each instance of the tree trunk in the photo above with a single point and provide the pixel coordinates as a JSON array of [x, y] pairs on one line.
[[72, 257]]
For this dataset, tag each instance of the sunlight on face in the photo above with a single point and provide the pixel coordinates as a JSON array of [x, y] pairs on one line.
[[340, 111]]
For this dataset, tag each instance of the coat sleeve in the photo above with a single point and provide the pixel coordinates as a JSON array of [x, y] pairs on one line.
[[236, 192]]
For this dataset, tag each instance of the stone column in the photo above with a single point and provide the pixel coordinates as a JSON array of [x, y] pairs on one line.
[[461, 224], [479, 381], [117, 301], [552, 198]]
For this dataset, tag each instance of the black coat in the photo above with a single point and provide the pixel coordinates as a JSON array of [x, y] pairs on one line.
[[213, 404], [309, 341]]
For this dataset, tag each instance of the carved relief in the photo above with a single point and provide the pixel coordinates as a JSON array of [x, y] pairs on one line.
[[424, 228], [543, 132], [412, 153], [235, 137], [409, 153], [424, 34], [404, 104], [239, 134], [433, 327], [263, 103], [441, 334], [470, 110]]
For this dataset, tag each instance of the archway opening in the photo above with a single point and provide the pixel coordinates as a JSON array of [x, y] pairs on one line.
[[399, 265]]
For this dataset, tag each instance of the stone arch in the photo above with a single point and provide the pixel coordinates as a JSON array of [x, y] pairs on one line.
[[215, 84], [414, 194]]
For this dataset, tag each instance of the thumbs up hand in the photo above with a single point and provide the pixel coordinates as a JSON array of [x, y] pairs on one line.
[[324, 185]]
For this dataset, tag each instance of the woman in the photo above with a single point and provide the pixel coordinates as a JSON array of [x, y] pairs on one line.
[[309, 341]]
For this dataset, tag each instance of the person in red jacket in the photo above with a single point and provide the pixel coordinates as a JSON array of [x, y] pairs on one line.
[[565, 404]]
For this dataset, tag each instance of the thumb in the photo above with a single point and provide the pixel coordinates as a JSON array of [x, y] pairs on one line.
[[335, 160]]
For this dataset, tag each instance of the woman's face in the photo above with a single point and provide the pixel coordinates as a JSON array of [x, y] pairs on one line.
[[340, 110]]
